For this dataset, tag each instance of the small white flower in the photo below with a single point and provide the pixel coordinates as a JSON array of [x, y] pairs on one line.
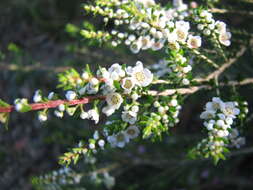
[[61, 107], [50, 95], [194, 41], [93, 114], [132, 132], [158, 45], [173, 102], [84, 115], [207, 115], [135, 47], [92, 146], [94, 81], [96, 135], [112, 140], [135, 108], [220, 123], [143, 77], [42, 117], [185, 81], [135, 96], [224, 38], [101, 143], [221, 26], [129, 116], [121, 139], [70, 95], [127, 84], [145, 42], [114, 100], [230, 110], [108, 110], [116, 71], [37, 97], [85, 75], [58, 113]]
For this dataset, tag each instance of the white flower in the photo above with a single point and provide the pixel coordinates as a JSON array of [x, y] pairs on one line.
[[42, 117], [182, 34], [135, 108], [91, 89], [37, 96], [93, 81], [220, 123], [112, 140], [129, 116], [179, 5], [216, 104], [127, 84], [224, 38], [135, 47], [230, 110], [70, 95], [121, 139], [101, 143], [221, 26], [84, 115], [135, 96], [107, 110], [145, 42], [132, 132], [158, 45], [145, 3], [108, 87], [50, 95], [58, 113], [116, 71], [207, 115], [143, 77], [194, 41], [173, 102], [114, 100], [85, 75], [185, 82], [93, 114]]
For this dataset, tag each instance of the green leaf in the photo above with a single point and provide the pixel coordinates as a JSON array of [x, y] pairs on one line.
[[4, 118]]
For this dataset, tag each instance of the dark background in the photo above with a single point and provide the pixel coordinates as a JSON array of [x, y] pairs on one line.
[[35, 46]]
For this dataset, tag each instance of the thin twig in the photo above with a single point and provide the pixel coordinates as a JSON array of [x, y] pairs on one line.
[[222, 11]]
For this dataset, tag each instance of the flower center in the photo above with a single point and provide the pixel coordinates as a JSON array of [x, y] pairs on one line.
[[140, 76], [115, 99], [180, 34], [128, 84], [120, 137], [131, 132]]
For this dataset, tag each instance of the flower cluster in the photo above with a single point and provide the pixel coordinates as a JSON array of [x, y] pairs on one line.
[[177, 69], [123, 137], [150, 26], [65, 177], [219, 117], [210, 27]]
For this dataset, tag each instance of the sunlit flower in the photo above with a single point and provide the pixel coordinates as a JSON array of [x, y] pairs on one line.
[[194, 41], [143, 77]]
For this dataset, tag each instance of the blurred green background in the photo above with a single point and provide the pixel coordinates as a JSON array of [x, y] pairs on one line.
[[37, 42]]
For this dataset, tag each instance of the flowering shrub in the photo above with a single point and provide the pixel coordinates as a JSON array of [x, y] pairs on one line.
[[144, 101]]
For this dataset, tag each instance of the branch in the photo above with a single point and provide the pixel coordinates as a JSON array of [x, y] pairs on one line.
[[54, 104], [225, 66], [222, 11], [194, 89]]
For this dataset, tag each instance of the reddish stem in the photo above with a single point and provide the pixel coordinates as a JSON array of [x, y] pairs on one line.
[[54, 103]]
